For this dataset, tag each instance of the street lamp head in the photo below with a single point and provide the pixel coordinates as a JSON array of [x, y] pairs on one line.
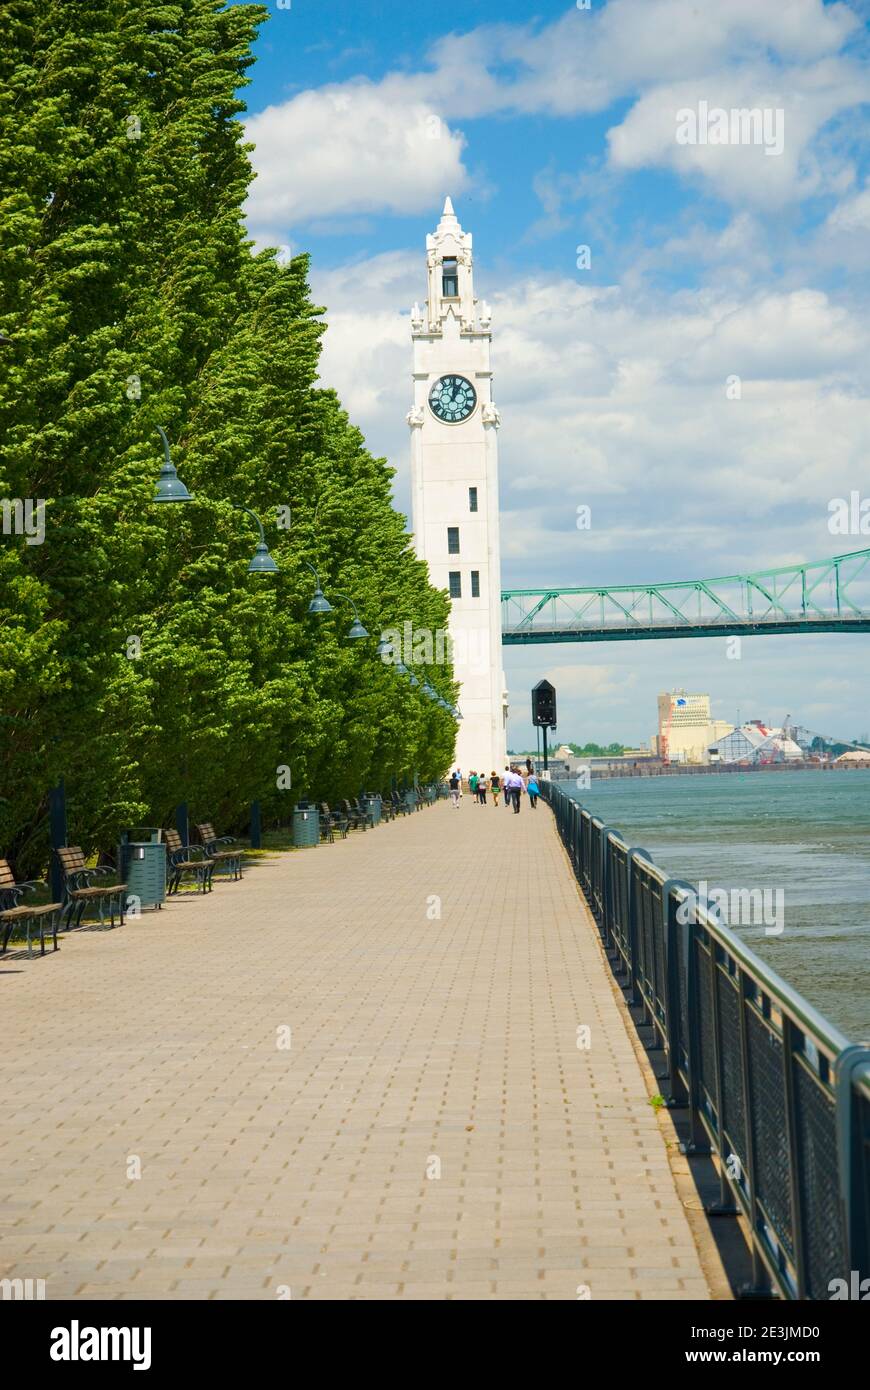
[[319, 603], [169, 488], [262, 562], [401, 668], [384, 648], [357, 629]]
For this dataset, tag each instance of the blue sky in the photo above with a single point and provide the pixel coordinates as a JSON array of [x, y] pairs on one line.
[[551, 129]]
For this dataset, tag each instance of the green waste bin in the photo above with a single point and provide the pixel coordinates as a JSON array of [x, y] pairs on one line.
[[373, 807], [306, 826], [142, 865], [411, 799]]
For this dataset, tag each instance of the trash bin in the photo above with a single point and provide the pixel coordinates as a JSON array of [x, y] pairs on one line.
[[142, 865], [373, 807], [411, 799], [306, 825]]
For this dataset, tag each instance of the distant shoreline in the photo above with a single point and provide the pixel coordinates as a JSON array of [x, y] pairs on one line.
[[715, 769]]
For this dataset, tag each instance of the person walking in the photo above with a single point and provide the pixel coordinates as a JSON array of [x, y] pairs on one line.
[[506, 783], [494, 786], [472, 784], [481, 789], [518, 786], [455, 789], [533, 790]]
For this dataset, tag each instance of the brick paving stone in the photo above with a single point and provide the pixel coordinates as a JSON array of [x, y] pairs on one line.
[[421, 1045]]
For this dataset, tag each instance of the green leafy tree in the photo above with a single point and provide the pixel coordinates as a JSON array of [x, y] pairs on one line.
[[138, 658]]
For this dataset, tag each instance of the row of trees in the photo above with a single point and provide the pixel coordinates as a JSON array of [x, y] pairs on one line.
[[138, 659]]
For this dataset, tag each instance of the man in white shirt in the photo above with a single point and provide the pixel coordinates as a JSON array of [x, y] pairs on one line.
[[516, 787]]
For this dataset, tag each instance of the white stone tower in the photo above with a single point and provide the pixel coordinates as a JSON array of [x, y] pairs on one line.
[[454, 481]]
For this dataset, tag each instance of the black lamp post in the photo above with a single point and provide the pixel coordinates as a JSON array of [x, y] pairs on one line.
[[261, 562], [170, 488], [356, 628], [319, 603]]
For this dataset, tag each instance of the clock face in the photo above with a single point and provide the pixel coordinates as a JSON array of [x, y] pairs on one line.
[[452, 399]]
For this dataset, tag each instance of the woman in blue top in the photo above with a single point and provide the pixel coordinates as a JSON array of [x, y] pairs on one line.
[[533, 790]]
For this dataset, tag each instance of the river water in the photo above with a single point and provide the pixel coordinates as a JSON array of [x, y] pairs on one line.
[[804, 833]]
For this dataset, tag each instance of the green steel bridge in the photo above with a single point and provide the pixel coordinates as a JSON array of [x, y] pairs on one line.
[[820, 596]]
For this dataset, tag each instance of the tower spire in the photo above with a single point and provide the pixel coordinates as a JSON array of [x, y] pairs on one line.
[[449, 221]]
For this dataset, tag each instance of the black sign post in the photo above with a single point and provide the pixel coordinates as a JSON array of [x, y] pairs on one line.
[[544, 710]]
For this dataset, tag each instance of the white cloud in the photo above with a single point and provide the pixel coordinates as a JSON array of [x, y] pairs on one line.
[[852, 215], [347, 150], [364, 146], [777, 169], [618, 400]]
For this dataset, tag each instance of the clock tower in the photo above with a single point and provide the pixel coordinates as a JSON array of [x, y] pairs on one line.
[[454, 482]]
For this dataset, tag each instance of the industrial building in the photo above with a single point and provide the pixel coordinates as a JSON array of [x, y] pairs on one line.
[[755, 742], [686, 727]]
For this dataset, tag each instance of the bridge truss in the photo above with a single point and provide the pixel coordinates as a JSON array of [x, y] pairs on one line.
[[820, 596]]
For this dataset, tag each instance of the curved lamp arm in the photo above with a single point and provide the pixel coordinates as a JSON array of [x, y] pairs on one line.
[[161, 431], [262, 562], [313, 571], [336, 594], [237, 506]]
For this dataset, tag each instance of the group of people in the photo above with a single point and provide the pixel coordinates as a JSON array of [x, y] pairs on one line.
[[512, 783]]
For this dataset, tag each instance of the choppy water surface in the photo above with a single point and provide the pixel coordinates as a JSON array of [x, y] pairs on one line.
[[807, 833]]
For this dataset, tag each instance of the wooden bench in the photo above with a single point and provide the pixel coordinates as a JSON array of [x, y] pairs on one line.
[[366, 811], [228, 859], [14, 913], [184, 860], [400, 805], [80, 891], [330, 821], [356, 819]]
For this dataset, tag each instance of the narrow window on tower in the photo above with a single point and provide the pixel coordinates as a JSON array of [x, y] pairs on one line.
[[455, 584], [472, 499], [450, 278], [452, 540], [475, 583]]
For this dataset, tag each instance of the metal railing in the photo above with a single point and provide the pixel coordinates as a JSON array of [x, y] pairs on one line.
[[776, 1093]]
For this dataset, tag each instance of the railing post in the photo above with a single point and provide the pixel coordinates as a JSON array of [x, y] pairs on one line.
[[853, 1154], [760, 1285], [605, 833], [256, 831], [794, 1164], [632, 922], [698, 1143], [679, 1095], [181, 824], [58, 833]]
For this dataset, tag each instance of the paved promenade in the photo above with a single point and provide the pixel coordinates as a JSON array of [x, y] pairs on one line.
[[432, 1130]]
